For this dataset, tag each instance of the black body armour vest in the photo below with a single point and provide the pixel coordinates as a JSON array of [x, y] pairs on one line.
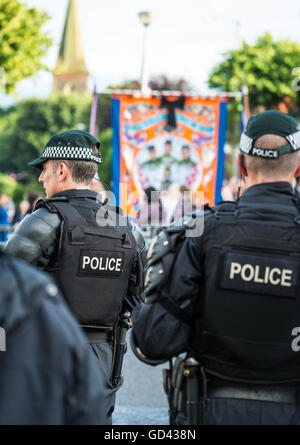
[[252, 298], [94, 260]]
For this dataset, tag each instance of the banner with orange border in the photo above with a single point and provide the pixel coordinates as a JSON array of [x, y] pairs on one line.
[[159, 141]]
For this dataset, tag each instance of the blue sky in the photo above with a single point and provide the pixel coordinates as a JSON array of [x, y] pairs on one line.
[[187, 37]]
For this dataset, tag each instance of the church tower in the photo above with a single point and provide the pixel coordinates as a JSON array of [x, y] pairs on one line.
[[70, 73]]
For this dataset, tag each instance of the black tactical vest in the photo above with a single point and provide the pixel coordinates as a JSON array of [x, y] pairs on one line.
[[94, 260], [252, 298]]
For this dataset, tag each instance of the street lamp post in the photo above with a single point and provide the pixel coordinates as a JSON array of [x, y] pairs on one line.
[[146, 18]]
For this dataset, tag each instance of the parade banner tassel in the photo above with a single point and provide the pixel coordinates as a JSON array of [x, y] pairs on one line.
[[160, 141]]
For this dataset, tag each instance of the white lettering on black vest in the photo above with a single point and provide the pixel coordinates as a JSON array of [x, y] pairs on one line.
[[97, 263], [260, 274], [248, 272]]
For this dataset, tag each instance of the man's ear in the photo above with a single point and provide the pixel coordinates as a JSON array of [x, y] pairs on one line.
[[297, 171], [242, 165], [63, 171]]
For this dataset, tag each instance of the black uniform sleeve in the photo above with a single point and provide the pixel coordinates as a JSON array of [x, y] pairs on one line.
[[35, 239], [48, 375], [162, 329]]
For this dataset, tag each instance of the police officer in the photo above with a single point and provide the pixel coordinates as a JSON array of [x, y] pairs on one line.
[[94, 254], [47, 374], [231, 304]]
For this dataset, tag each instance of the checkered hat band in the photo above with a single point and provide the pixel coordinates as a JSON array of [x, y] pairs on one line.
[[294, 140], [70, 153], [245, 143]]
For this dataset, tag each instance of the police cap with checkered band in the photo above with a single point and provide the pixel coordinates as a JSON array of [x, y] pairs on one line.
[[74, 145], [270, 122]]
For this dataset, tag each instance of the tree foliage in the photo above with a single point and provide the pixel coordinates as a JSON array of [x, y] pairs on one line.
[[26, 127], [33, 122], [106, 154], [22, 43], [265, 67]]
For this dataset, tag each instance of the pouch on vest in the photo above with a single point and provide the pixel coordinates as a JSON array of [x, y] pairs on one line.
[[93, 266], [252, 301]]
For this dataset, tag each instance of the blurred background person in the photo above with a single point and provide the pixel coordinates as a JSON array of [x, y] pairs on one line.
[[186, 204], [98, 186], [20, 213], [170, 200], [4, 220], [33, 196], [151, 215], [233, 189]]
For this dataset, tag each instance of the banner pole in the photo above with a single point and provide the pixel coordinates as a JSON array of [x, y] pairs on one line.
[[93, 116]]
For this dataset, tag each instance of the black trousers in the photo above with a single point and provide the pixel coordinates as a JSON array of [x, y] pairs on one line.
[[246, 412], [103, 352]]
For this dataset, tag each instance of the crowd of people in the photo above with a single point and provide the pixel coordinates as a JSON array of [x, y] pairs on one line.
[[11, 214]]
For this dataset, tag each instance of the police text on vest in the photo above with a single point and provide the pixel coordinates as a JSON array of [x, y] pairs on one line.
[[101, 263], [98, 263], [259, 273], [267, 275]]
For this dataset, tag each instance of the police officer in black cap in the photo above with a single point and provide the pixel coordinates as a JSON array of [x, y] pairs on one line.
[[95, 255], [231, 303]]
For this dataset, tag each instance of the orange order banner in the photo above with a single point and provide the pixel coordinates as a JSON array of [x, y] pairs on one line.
[[165, 141]]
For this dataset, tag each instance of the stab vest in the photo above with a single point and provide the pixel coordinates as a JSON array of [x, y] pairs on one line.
[[94, 260], [251, 297]]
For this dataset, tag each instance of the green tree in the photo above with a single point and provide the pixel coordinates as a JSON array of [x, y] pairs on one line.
[[33, 122], [22, 44], [26, 127], [8, 185], [266, 68], [106, 154]]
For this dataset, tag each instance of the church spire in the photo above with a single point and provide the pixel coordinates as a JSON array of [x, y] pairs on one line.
[[71, 73]]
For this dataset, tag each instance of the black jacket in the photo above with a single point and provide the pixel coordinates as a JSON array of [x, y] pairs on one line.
[[159, 334], [47, 373], [36, 239]]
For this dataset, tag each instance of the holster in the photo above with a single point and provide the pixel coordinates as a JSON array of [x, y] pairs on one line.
[[182, 386], [120, 348]]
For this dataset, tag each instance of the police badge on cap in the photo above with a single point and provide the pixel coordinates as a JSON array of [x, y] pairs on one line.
[[270, 122]]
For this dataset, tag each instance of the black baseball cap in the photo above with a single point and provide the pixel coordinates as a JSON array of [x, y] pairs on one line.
[[75, 145], [270, 122]]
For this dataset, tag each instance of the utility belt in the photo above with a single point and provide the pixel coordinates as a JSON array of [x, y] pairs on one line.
[[263, 393], [189, 389], [98, 335]]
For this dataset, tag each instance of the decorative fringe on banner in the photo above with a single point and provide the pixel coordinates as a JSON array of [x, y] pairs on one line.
[[93, 118], [189, 94]]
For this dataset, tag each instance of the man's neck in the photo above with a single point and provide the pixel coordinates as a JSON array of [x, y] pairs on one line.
[[75, 186], [254, 180]]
